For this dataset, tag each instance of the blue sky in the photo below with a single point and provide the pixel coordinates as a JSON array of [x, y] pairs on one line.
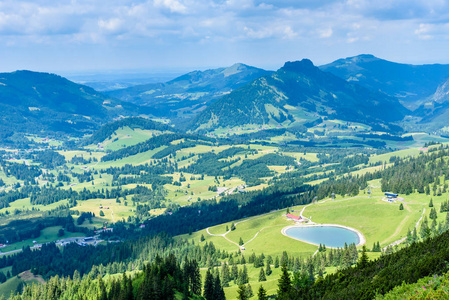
[[177, 35]]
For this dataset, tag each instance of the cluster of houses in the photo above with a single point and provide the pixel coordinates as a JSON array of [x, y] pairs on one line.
[[104, 229]]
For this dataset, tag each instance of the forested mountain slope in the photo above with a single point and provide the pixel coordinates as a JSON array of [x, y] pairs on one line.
[[409, 83], [299, 87], [34, 102], [190, 92]]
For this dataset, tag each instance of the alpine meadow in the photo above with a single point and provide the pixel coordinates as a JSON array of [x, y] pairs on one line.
[[186, 149]]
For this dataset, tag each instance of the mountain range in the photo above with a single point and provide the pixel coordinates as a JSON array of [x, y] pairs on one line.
[[362, 89], [190, 93], [411, 84], [42, 102], [296, 90]]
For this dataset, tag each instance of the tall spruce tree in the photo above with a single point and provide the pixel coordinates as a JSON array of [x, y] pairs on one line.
[[284, 284], [208, 292], [262, 275], [241, 292], [262, 293], [218, 293]]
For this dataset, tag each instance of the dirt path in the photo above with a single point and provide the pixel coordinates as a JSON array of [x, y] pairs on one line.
[[396, 232], [404, 238], [235, 224]]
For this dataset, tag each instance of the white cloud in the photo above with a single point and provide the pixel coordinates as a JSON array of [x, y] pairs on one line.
[[173, 5], [325, 33], [111, 25], [225, 26]]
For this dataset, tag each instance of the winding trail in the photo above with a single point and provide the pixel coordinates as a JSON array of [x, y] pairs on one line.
[[404, 238], [235, 224]]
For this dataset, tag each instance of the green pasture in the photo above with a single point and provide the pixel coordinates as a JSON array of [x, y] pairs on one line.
[[12, 283], [23, 204], [9, 286], [268, 240], [376, 219], [138, 159], [116, 211], [125, 137], [401, 153]]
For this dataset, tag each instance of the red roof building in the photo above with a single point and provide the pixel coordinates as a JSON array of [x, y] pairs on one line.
[[293, 217]]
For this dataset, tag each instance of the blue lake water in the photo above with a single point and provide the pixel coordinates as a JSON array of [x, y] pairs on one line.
[[331, 236]]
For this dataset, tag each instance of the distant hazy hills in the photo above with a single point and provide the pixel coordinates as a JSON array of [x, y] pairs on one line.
[[411, 84], [34, 102], [362, 89], [189, 93], [296, 90]]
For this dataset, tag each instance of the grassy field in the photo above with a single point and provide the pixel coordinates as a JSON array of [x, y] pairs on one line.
[[269, 237], [12, 283], [24, 203], [125, 137], [378, 220], [114, 213]]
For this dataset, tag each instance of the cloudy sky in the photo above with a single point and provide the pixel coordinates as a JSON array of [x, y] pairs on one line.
[[175, 35]]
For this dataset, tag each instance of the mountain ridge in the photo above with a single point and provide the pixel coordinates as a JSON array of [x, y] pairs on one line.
[[409, 83], [36, 101], [190, 92], [303, 86]]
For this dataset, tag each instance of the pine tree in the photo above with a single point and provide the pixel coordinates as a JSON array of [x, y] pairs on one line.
[[241, 242], [208, 292], [409, 237], [245, 277], [401, 206], [268, 270], [262, 275], [262, 294], [276, 262], [195, 278], [225, 274], [234, 272], [249, 291], [431, 203], [218, 290], [102, 294], [284, 285], [241, 292], [414, 236], [363, 260], [296, 266]]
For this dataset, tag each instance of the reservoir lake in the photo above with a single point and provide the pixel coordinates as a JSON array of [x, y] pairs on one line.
[[331, 236]]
